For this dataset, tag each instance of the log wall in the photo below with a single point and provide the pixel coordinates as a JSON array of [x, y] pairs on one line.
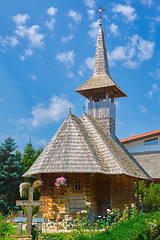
[[117, 190]]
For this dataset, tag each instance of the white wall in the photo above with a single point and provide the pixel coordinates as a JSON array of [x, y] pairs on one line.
[[139, 146]]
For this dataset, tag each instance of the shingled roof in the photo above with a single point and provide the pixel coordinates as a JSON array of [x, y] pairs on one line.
[[150, 162], [82, 146], [101, 82]]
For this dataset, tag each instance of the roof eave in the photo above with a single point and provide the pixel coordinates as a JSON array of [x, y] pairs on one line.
[[132, 139]]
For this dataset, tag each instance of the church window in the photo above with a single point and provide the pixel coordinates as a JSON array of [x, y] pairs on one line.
[[152, 141], [77, 185]]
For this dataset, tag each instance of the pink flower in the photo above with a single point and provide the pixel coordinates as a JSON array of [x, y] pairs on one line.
[[60, 182], [132, 205], [70, 218], [77, 212], [83, 211], [109, 211], [88, 204]]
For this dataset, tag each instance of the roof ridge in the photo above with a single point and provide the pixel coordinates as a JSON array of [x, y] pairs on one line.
[[119, 146], [97, 126]]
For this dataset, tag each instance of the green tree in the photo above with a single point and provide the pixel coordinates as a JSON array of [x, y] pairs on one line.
[[151, 199], [10, 174], [29, 156]]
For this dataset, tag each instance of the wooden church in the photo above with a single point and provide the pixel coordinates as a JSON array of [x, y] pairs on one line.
[[87, 152]]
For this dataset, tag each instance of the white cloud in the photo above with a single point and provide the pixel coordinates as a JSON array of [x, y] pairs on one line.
[[35, 38], [12, 41], [114, 29], [126, 11], [118, 54], [155, 87], [70, 75], [91, 13], [89, 3], [156, 74], [56, 110], [9, 41], [77, 17], [34, 77], [50, 24], [90, 63], [52, 11], [154, 90], [94, 29], [66, 57], [134, 53], [156, 18], [145, 49], [150, 94], [67, 39], [81, 70], [147, 3], [27, 52], [142, 109], [80, 73], [41, 142], [20, 19], [3, 41], [22, 123]]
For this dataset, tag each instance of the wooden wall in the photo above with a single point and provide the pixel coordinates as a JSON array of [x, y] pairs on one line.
[[118, 190], [122, 191]]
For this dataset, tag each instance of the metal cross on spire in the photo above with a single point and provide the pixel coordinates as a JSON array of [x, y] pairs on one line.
[[100, 11]]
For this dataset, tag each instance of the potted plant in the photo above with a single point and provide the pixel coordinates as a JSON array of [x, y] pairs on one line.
[[61, 183]]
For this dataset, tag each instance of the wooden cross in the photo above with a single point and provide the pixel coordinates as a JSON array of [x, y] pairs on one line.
[[100, 11], [30, 203]]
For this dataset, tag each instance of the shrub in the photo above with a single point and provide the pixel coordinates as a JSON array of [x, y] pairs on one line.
[[5, 227], [151, 200]]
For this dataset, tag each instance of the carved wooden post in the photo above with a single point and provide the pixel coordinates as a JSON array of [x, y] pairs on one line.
[[30, 203], [39, 225], [19, 225]]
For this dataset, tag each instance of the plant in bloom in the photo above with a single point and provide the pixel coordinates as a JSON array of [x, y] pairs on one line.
[[83, 211], [37, 184], [23, 189], [61, 182], [109, 211], [88, 204]]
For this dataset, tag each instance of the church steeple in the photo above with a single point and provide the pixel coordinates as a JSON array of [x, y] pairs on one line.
[[101, 60], [101, 82], [100, 89]]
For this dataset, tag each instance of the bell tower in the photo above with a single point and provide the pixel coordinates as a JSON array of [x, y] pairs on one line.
[[100, 89]]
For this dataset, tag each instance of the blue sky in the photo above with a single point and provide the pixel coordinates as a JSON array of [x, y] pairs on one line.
[[47, 50]]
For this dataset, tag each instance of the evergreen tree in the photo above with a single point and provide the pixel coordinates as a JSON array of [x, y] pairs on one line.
[[10, 174], [30, 155]]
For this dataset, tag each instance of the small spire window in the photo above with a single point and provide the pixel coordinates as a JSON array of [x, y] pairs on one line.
[[153, 141]]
